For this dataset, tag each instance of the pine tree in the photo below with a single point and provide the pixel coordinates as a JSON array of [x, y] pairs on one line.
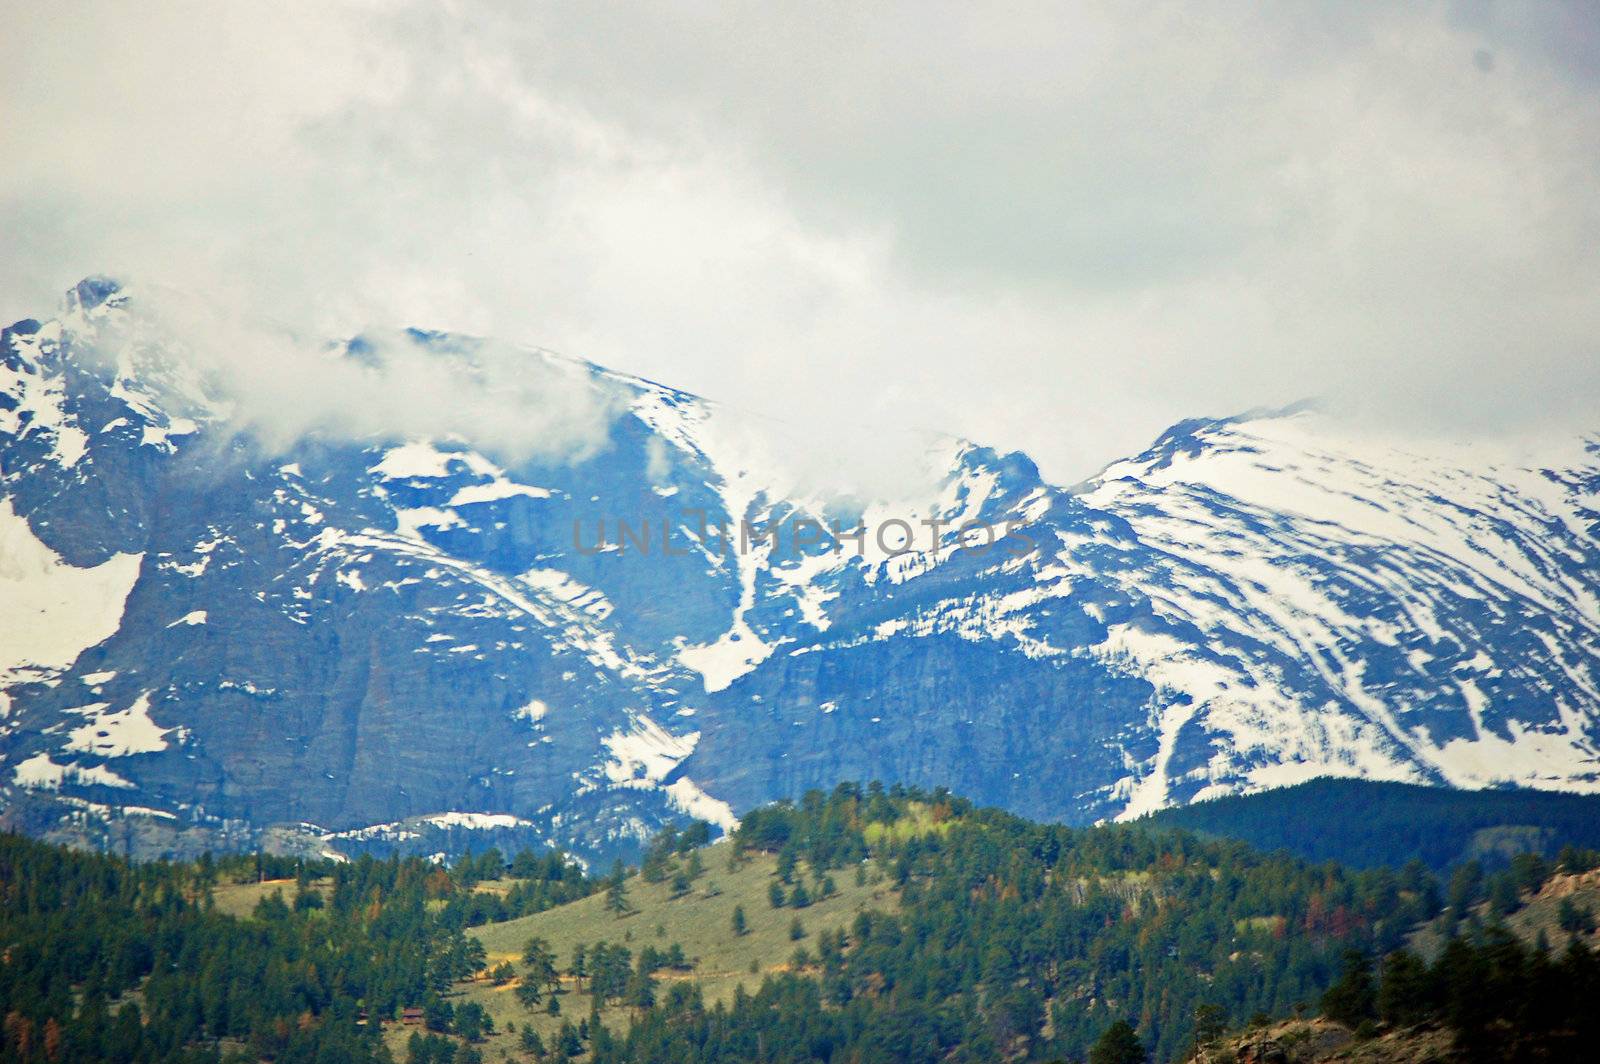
[[739, 927], [1403, 992], [1466, 886], [1210, 1021], [617, 891], [1504, 899], [1573, 919], [1118, 1045], [1353, 998], [541, 962], [641, 988], [579, 967], [471, 1022], [538, 954]]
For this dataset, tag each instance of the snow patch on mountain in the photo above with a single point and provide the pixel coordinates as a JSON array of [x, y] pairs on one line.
[[409, 828], [646, 752], [119, 734], [41, 773], [647, 756], [54, 611], [494, 491], [687, 796]]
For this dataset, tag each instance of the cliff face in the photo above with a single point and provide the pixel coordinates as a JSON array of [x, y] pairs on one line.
[[345, 639]]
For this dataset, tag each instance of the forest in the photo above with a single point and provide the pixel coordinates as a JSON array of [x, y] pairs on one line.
[[1373, 822], [106, 960], [999, 939]]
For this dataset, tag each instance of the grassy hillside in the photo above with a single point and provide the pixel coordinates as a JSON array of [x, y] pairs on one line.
[[699, 921], [1366, 824], [241, 899]]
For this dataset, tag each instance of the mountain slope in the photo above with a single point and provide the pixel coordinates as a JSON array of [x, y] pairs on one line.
[[354, 640], [1367, 823], [1448, 599]]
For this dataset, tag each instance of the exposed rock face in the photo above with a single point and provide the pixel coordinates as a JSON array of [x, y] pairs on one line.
[[1317, 1041], [214, 635]]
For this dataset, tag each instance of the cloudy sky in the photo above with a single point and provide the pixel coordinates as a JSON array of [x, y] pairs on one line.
[[1051, 227]]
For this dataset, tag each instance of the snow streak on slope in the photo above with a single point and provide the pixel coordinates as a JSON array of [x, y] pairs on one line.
[[752, 494], [798, 553]]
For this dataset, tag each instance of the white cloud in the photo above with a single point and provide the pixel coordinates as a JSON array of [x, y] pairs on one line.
[[1057, 230], [276, 387]]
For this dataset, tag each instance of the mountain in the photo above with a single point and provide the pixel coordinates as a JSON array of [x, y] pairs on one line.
[[1368, 824], [219, 635]]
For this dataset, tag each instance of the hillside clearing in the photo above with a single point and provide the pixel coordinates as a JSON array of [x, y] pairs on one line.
[[700, 921]]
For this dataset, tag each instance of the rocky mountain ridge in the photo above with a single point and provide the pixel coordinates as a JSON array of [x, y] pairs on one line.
[[352, 641]]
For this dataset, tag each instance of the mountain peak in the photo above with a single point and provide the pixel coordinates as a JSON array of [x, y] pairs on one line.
[[91, 292]]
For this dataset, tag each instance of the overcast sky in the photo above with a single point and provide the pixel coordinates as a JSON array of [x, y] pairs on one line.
[[1050, 227]]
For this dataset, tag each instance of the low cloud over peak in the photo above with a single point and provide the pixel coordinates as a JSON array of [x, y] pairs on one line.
[[276, 386]]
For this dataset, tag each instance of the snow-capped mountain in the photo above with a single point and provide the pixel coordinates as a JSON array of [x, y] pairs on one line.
[[1250, 603], [339, 642]]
